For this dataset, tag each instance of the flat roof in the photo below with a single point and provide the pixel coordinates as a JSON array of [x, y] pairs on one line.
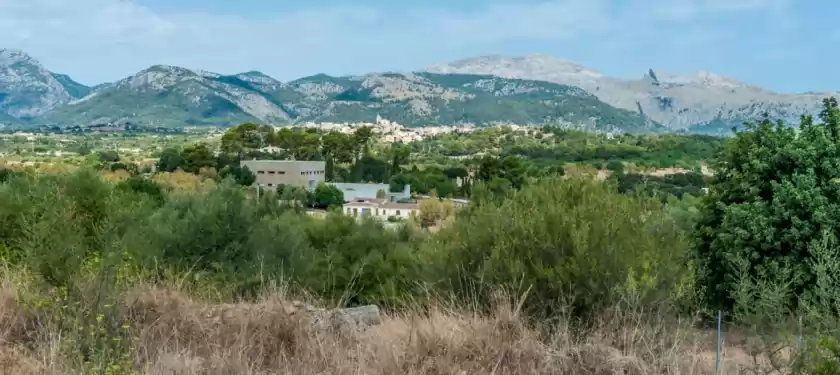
[[284, 162], [412, 206]]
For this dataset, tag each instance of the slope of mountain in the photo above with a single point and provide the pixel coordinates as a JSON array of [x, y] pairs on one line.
[[170, 96], [418, 99], [698, 101], [27, 89], [75, 89]]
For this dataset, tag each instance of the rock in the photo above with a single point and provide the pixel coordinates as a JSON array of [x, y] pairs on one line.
[[346, 321]]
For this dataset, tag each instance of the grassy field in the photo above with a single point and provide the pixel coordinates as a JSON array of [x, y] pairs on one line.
[[169, 331]]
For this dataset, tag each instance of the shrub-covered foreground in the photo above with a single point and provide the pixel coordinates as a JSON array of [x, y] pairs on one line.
[[124, 277]]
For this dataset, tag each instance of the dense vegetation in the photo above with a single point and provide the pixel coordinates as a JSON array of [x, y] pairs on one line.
[[553, 144], [449, 165]]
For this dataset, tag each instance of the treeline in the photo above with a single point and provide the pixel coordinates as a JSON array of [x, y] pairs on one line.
[[349, 158], [550, 145]]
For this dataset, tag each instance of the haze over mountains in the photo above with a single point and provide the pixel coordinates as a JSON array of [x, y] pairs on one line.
[[533, 89]]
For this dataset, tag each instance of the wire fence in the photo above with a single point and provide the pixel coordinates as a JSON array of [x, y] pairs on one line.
[[719, 340]]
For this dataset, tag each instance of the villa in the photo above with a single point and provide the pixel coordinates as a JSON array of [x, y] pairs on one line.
[[382, 209]]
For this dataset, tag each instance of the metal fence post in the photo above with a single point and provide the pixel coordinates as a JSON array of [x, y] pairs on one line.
[[799, 339], [717, 348]]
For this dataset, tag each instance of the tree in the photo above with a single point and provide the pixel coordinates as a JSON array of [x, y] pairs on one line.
[[431, 211], [327, 196], [399, 156], [338, 147], [774, 197], [361, 137], [109, 156], [241, 175], [380, 194], [170, 160], [196, 157], [128, 167], [508, 171], [369, 168], [246, 137], [143, 185], [615, 166], [456, 172]]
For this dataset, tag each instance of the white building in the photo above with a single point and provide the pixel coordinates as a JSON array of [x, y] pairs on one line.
[[380, 209]]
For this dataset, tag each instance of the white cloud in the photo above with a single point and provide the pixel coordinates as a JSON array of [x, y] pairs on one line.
[[107, 39]]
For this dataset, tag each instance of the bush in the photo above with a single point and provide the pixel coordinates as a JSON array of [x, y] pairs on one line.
[[143, 185], [615, 166], [326, 196], [575, 242]]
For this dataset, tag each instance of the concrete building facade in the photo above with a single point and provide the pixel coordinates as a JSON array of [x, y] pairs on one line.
[[271, 173], [380, 209]]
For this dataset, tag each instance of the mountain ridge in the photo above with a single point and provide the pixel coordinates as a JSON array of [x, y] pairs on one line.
[[535, 89], [679, 101]]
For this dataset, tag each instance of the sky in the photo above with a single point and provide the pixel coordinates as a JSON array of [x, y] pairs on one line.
[[784, 45]]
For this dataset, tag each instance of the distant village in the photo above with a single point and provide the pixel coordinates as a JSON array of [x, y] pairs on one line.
[[387, 130]]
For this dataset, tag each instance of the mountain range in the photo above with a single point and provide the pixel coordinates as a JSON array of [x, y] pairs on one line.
[[533, 89]]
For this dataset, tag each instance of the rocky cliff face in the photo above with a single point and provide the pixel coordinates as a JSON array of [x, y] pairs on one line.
[[27, 89], [699, 101]]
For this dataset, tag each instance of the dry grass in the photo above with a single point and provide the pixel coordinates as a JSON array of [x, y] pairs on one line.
[[178, 335]]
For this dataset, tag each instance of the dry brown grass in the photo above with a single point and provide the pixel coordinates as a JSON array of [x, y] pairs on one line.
[[179, 335]]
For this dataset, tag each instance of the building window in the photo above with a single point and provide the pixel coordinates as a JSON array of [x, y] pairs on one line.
[[398, 212], [271, 172], [270, 185], [355, 212], [260, 172], [377, 212]]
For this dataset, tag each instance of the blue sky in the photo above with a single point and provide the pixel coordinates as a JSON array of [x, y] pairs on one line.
[[784, 45]]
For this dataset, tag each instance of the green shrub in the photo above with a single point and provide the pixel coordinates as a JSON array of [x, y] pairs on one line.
[[773, 196], [361, 263], [575, 243]]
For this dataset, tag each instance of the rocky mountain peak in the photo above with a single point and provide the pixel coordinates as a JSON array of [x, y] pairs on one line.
[[702, 78], [258, 78], [9, 57], [27, 89], [159, 77]]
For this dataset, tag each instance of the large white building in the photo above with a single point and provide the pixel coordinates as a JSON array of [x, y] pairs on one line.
[[380, 209]]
